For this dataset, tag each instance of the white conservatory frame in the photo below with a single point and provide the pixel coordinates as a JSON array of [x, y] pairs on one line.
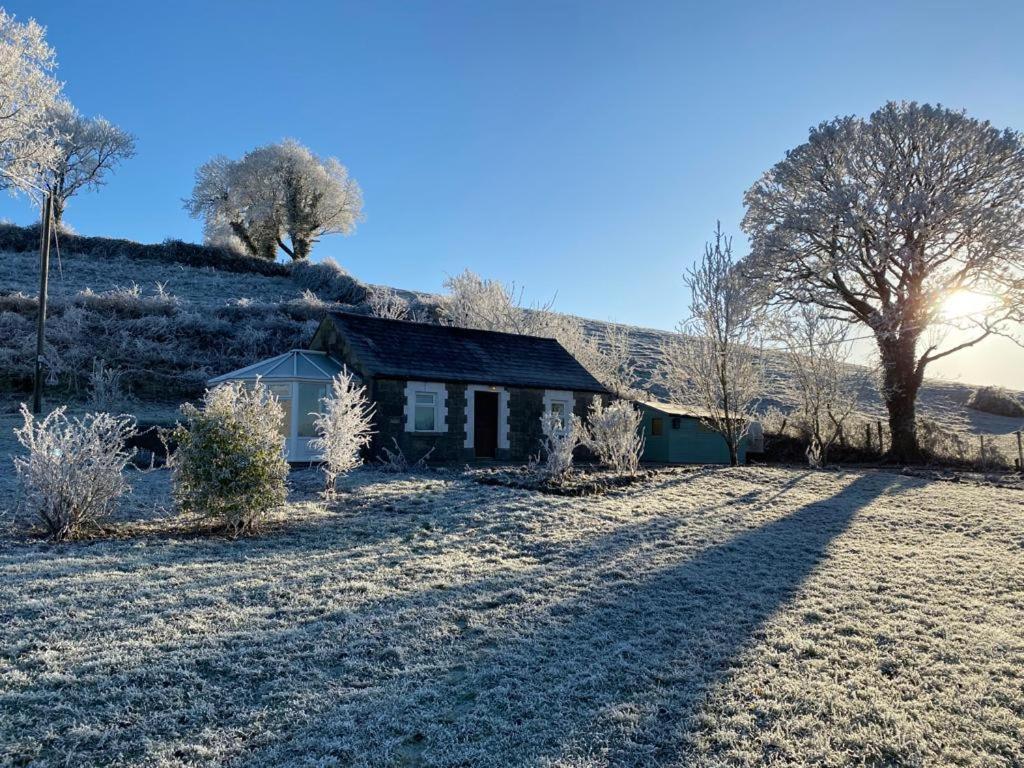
[[289, 376]]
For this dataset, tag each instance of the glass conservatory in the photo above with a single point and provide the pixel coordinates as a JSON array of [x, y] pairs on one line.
[[299, 379]]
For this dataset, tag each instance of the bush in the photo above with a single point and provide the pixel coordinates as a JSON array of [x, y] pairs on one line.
[[72, 477], [344, 428], [229, 465], [614, 435], [558, 442], [995, 401], [329, 281]]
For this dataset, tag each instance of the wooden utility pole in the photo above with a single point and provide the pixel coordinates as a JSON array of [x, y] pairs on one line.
[[44, 277]]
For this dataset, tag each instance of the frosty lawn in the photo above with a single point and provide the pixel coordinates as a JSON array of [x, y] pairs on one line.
[[707, 617]]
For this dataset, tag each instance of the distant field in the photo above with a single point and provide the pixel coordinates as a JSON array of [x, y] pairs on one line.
[[731, 617]]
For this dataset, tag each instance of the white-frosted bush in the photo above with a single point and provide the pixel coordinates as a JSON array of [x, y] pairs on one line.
[[344, 428], [229, 465], [105, 390], [72, 477], [559, 439], [995, 400], [613, 433], [328, 280]]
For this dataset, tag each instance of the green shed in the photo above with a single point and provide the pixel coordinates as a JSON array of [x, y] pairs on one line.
[[675, 434]]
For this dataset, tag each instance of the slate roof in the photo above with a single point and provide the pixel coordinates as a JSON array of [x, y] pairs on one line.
[[401, 349]]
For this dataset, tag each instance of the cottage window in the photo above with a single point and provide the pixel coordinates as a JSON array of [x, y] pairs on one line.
[[426, 412], [676, 421], [558, 409], [656, 427]]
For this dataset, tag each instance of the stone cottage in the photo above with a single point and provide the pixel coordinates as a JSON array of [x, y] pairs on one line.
[[462, 392]]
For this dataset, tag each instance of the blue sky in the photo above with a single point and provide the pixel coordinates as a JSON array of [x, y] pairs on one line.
[[582, 148]]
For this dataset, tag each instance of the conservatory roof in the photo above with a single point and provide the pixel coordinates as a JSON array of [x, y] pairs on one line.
[[298, 364]]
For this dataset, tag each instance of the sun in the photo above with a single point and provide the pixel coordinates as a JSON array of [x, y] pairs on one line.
[[966, 304]]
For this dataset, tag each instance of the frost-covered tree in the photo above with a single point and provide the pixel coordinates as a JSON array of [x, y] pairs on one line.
[[73, 473], [559, 439], [275, 193], [387, 303], [614, 434], [87, 150], [475, 302], [715, 361], [823, 384], [28, 91], [879, 221], [344, 428]]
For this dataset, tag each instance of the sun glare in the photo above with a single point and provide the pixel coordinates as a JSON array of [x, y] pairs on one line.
[[963, 304]]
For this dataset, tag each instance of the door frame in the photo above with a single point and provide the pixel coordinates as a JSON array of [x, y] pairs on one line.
[[503, 442]]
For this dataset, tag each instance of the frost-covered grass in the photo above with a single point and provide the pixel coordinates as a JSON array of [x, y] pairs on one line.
[[707, 617]]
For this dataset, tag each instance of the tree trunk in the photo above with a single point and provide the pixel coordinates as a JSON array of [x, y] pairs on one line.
[[301, 247], [901, 380], [57, 207]]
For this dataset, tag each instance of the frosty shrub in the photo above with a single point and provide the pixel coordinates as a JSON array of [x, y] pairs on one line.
[[105, 390], [614, 435], [343, 428], [329, 281], [229, 465], [941, 444], [72, 477], [396, 462], [559, 440], [996, 401], [385, 302]]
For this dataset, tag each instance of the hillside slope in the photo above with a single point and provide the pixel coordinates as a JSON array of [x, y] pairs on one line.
[[170, 326]]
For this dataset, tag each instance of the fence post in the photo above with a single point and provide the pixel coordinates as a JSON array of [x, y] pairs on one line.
[[1020, 453], [981, 457], [867, 436], [881, 443]]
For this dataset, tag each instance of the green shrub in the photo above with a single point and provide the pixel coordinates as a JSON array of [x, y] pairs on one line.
[[229, 465]]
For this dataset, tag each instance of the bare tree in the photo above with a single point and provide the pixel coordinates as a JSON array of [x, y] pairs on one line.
[[475, 302], [715, 363], [824, 384], [275, 193], [87, 149], [615, 434], [879, 221], [27, 92], [386, 302]]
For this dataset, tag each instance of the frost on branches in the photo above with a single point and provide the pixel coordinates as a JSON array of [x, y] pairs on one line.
[[715, 362], [275, 192], [823, 384], [344, 428], [72, 477], [558, 441], [86, 150], [879, 221], [613, 433], [28, 90], [474, 302], [229, 464]]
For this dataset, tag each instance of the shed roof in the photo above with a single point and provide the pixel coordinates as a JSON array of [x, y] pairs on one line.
[[298, 364], [676, 409], [406, 350]]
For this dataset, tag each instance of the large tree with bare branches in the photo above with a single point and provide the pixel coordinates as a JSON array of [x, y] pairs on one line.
[[879, 221]]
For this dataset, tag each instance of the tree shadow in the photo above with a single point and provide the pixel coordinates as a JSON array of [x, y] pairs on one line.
[[624, 666]]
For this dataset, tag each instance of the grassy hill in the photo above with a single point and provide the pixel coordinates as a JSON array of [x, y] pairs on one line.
[[170, 316]]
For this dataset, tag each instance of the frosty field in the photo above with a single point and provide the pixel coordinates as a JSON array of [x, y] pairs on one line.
[[711, 617]]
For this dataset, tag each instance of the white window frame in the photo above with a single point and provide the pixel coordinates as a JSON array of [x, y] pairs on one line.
[[552, 396], [503, 427], [436, 388]]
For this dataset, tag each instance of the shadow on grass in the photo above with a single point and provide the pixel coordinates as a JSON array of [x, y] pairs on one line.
[[617, 671]]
